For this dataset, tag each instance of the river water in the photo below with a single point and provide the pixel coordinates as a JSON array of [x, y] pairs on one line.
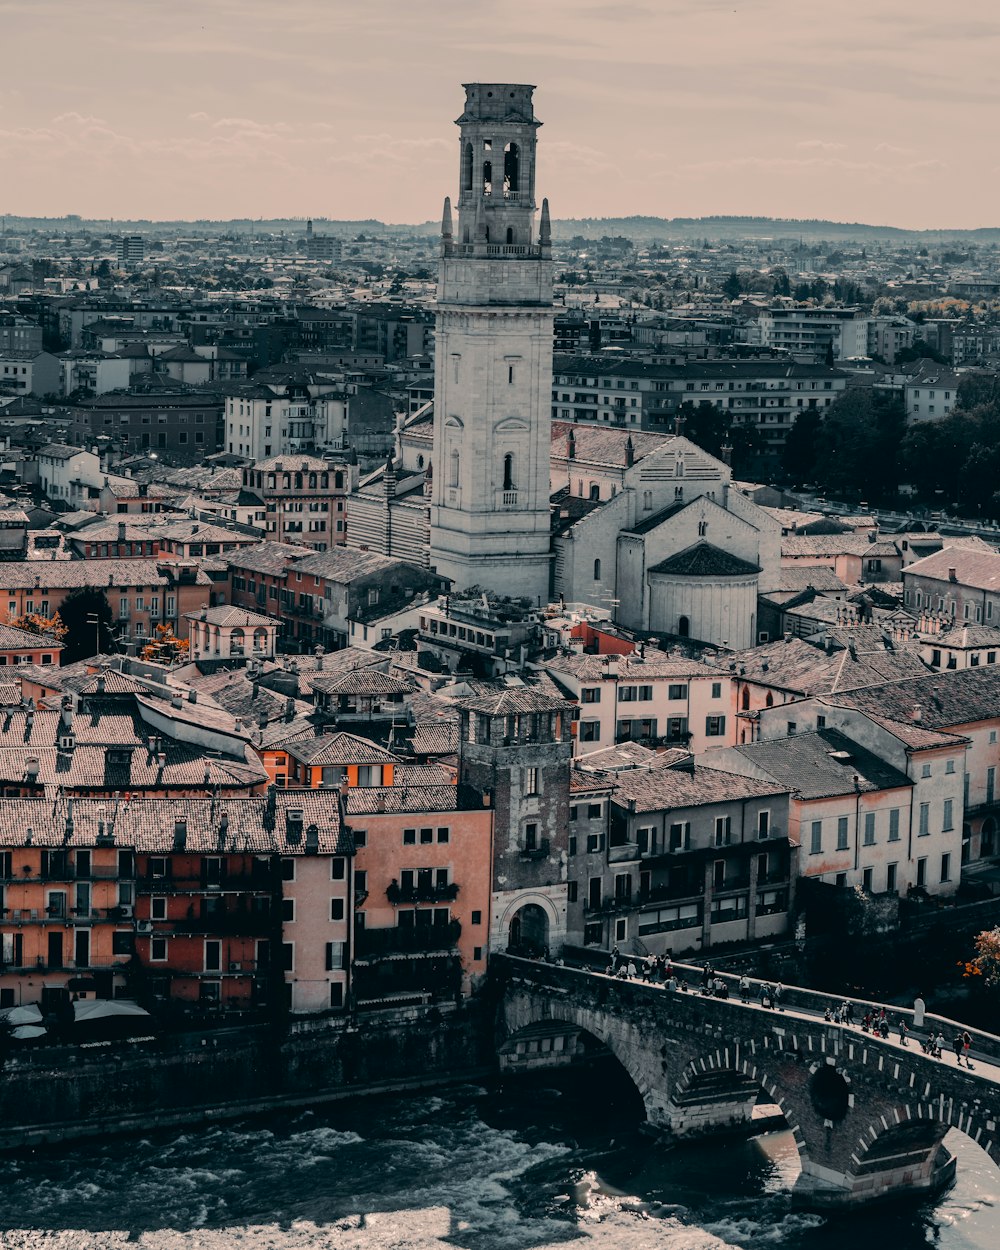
[[541, 1162]]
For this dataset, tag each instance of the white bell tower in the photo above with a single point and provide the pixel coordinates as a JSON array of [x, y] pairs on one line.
[[493, 357]]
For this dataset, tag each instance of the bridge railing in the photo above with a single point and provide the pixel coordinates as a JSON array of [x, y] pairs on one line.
[[793, 997]]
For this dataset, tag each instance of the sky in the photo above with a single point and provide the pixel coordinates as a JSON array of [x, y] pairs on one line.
[[882, 111]]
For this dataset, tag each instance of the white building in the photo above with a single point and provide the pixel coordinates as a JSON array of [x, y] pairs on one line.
[[493, 357]]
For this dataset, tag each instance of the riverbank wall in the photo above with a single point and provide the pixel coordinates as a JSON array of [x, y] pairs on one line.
[[66, 1093]]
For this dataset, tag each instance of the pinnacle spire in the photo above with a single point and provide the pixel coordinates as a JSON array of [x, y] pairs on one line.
[[545, 226], [446, 219]]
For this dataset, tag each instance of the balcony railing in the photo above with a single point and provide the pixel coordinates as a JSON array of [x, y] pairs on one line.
[[623, 854], [411, 940], [233, 924], [539, 851], [447, 893]]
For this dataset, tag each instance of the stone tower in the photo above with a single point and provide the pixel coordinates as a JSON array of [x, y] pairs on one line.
[[493, 357]]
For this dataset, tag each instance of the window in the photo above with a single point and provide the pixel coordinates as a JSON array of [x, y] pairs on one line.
[[531, 836], [925, 820], [894, 825], [890, 877], [158, 908], [949, 766], [763, 825], [158, 950], [841, 833], [338, 868], [597, 570], [724, 830], [869, 828], [336, 909], [213, 956], [443, 834], [531, 781], [716, 689], [945, 867], [426, 837], [715, 726], [590, 731], [590, 694], [925, 770], [866, 880], [476, 918], [595, 843], [947, 823], [680, 836], [816, 838], [677, 692], [288, 870], [409, 837]]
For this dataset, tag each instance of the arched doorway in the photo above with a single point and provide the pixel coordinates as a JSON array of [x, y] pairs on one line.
[[684, 627], [529, 931]]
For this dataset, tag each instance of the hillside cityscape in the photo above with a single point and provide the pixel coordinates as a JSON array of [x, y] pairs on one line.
[[412, 628]]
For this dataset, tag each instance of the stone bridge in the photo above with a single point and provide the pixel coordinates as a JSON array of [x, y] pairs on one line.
[[868, 1115]]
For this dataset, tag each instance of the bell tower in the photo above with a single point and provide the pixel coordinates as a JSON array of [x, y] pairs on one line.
[[493, 356]]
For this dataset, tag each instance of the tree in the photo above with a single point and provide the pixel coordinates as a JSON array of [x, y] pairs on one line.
[[858, 445], [986, 962], [88, 619], [35, 623], [165, 647], [731, 288], [801, 445]]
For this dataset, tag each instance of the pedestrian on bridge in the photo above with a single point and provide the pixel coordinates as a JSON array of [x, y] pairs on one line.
[[744, 989], [903, 1030], [779, 990]]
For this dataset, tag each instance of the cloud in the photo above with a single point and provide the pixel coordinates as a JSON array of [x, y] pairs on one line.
[[820, 145]]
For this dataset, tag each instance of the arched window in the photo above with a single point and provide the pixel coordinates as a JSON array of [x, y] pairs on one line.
[[746, 699], [702, 528], [487, 177], [453, 469], [420, 461], [510, 234], [769, 701], [684, 627], [467, 168], [508, 471], [312, 481], [597, 570], [338, 480], [595, 490], [511, 170]]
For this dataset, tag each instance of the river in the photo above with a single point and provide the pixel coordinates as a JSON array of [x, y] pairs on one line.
[[546, 1161]]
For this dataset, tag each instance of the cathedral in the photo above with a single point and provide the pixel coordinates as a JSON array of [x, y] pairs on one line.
[[487, 490]]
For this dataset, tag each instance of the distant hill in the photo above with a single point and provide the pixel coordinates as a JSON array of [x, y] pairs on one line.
[[637, 228]]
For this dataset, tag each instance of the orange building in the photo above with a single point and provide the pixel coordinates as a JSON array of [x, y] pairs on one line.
[[422, 877], [20, 646], [333, 759]]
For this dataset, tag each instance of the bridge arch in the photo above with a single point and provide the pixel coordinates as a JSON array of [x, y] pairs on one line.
[[543, 921], [521, 1015], [718, 1103], [910, 1138]]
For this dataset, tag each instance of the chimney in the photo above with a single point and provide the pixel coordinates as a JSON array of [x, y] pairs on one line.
[[180, 833], [788, 635], [571, 445], [122, 529], [918, 714], [629, 452], [289, 710]]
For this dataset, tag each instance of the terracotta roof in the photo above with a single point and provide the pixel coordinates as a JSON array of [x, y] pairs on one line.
[[822, 764], [598, 444], [938, 701], [705, 560], [975, 568], [339, 749], [511, 700], [362, 681], [667, 788]]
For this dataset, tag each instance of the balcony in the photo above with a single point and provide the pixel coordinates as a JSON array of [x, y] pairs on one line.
[[411, 940], [230, 924], [397, 894], [255, 883], [540, 851], [624, 854], [613, 906], [672, 892]]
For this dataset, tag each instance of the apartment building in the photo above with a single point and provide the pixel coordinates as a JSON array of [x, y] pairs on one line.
[[305, 498], [645, 395]]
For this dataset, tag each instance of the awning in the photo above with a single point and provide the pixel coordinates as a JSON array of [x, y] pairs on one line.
[[28, 1014], [86, 1010]]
